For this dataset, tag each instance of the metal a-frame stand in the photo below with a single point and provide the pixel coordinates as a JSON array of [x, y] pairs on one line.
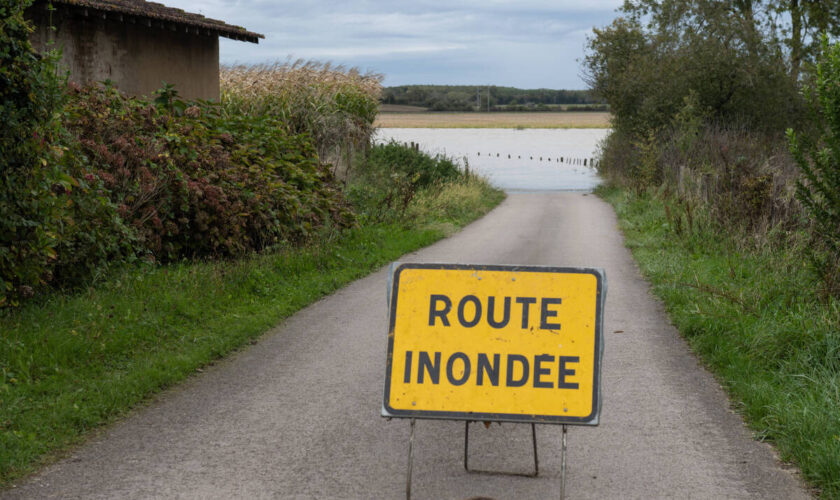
[[479, 471]]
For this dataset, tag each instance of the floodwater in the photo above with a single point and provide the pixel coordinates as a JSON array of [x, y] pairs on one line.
[[515, 160]]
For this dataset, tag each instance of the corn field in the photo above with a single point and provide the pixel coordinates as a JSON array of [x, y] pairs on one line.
[[336, 106]]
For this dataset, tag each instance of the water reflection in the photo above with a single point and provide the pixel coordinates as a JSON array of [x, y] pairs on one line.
[[515, 160]]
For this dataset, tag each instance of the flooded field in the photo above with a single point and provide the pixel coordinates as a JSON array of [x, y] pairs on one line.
[[542, 119], [515, 160]]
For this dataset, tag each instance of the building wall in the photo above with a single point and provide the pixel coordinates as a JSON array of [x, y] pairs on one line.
[[136, 57]]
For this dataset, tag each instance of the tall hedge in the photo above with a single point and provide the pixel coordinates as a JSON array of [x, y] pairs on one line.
[[31, 184], [193, 182], [90, 177]]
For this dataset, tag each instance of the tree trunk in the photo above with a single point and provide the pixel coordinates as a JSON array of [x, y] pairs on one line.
[[795, 38]]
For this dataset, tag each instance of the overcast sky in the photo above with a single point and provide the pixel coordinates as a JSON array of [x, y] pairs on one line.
[[525, 43]]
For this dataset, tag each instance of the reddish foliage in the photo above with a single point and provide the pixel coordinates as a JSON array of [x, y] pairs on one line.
[[193, 183]]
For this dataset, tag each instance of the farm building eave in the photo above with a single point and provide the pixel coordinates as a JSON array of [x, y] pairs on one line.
[[156, 14]]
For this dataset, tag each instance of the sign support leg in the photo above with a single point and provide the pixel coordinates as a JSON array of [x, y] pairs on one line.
[[477, 471], [408, 475], [563, 466], [536, 458]]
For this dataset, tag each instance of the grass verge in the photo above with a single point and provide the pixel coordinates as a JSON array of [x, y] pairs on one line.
[[750, 310], [74, 362]]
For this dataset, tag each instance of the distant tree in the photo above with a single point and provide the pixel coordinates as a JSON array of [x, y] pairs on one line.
[[808, 20], [463, 97]]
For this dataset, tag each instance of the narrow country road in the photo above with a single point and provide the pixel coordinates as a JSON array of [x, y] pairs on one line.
[[297, 415]]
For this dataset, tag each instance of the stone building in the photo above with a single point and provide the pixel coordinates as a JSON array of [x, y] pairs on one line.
[[135, 44]]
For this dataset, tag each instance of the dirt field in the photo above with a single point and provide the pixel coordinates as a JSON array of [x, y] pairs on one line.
[[587, 119]]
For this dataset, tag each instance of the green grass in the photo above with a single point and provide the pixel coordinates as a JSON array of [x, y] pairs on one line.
[[77, 361], [751, 310]]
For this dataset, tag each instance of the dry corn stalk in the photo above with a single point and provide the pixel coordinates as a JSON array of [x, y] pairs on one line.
[[335, 105]]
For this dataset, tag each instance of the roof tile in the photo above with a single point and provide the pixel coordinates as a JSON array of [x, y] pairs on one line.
[[153, 10]]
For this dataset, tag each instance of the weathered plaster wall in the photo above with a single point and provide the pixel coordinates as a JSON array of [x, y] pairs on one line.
[[136, 57]]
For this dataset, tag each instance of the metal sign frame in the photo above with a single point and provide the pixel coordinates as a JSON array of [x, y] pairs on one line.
[[591, 419]]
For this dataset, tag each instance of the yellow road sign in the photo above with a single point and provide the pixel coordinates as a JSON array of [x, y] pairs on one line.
[[501, 343]]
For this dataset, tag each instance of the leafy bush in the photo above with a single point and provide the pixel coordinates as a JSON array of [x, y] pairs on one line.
[[57, 224], [192, 182], [647, 62], [390, 176], [32, 207], [743, 180], [819, 163]]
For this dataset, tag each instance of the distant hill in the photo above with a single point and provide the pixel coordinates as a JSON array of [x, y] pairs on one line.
[[468, 97]]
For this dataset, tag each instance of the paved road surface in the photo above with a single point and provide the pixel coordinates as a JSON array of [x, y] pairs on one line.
[[297, 415]]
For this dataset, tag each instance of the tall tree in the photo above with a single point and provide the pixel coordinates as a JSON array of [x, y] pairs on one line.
[[720, 52]]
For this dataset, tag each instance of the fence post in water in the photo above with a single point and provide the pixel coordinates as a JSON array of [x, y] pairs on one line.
[[584, 162]]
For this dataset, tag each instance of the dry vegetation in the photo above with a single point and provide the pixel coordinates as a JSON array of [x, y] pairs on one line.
[[570, 119], [337, 106]]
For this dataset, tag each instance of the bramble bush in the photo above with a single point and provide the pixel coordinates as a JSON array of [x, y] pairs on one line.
[[193, 183], [34, 206]]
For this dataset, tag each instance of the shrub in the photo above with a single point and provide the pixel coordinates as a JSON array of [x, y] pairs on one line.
[[743, 180], [388, 179], [192, 182], [32, 185], [819, 163], [92, 236]]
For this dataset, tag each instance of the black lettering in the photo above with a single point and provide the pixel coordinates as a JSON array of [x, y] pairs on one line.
[[512, 358], [462, 305], [526, 308], [491, 309], [539, 371], [484, 366], [424, 362], [561, 381], [545, 314], [407, 375], [450, 368], [440, 313]]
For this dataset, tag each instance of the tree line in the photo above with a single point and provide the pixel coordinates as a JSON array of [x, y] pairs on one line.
[[482, 97]]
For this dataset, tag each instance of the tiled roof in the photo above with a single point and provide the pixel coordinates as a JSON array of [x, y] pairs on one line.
[[151, 11]]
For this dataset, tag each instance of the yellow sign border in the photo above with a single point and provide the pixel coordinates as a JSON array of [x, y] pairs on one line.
[[393, 295]]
